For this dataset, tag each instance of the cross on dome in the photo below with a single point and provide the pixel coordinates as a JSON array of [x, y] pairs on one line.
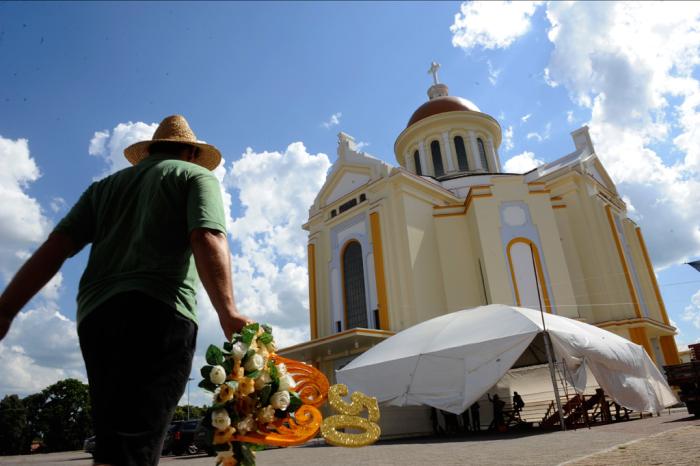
[[434, 67]]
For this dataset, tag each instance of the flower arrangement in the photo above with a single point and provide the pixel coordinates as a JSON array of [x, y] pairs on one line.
[[253, 394], [261, 398]]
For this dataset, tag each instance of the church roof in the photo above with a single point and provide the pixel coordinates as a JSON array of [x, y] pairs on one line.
[[442, 104]]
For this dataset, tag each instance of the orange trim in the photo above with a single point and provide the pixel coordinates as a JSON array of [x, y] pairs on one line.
[[312, 291], [477, 186], [639, 336], [669, 349], [452, 206], [541, 191], [558, 207], [538, 265], [652, 276], [623, 262], [555, 198], [467, 203], [379, 270], [537, 183]]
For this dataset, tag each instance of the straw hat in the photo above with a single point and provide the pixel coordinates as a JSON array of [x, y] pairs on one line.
[[175, 129]]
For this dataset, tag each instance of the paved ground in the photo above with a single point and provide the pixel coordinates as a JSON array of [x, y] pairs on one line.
[[669, 439]]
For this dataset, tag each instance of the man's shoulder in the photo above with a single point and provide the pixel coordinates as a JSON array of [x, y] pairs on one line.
[[183, 168]]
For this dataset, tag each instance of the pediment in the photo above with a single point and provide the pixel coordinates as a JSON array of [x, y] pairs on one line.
[[346, 181], [595, 168]]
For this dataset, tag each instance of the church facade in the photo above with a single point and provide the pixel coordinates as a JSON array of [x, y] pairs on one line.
[[447, 229]]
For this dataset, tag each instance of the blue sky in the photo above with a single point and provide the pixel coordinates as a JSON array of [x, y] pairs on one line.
[[256, 78]]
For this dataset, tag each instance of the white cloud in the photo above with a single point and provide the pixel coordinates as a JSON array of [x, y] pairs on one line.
[[40, 349], [508, 138], [548, 79], [57, 204], [491, 25], [359, 145], [522, 163], [524, 118], [110, 145], [692, 312], [541, 137], [274, 190], [632, 65], [334, 120], [493, 73], [570, 117], [22, 222]]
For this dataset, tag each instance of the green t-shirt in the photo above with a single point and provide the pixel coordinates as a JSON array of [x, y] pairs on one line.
[[138, 221]]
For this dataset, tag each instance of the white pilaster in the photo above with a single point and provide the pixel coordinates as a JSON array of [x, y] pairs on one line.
[[421, 153], [475, 152], [448, 151], [494, 154], [408, 162]]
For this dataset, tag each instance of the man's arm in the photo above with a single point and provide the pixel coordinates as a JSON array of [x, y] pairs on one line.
[[34, 274], [213, 261]]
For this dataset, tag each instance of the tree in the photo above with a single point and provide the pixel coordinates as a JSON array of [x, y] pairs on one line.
[[13, 426], [195, 412], [64, 419]]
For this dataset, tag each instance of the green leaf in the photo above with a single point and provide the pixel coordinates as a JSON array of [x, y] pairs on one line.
[[294, 402], [267, 328], [249, 332], [214, 355], [228, 366], [206, 371], [253, 374], [265, 338], [207, 385], [265, 395], [228, 346], [274, 373], [249, 354]]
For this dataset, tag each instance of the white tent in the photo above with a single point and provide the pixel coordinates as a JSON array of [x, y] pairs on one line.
[[450, 361]]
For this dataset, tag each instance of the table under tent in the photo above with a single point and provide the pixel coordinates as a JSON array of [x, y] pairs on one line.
[[452, 361]]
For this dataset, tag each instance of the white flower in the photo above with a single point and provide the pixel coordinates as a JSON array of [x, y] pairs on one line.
[[254, 363], [239, 350], [217, 375], [246, 425], [263, 380], [280, 400], [266, 414], [281, 368], [287, 382], [220, 419]]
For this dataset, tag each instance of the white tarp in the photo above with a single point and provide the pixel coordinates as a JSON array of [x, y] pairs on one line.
[[450, 361]]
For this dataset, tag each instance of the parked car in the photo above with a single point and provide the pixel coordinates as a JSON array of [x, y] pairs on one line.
[[168, 442], [182, 437], [203, 437], [89, 445]]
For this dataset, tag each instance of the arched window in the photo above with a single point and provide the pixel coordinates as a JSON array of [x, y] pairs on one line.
[[461, 153], [437, 158], [416, 162], [482, 154], [354, 287]]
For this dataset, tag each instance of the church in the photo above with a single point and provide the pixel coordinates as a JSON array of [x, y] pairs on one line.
[[447, 229]]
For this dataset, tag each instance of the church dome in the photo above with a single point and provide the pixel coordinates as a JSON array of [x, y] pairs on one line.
[[443, 104]]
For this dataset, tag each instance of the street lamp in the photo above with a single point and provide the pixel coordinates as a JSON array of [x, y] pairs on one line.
[[188, 397]]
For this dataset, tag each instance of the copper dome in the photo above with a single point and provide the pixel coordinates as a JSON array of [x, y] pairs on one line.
[[441, 105]]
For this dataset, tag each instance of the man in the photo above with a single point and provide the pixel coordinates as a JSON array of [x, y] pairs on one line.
[[150, 226], [518, 404]]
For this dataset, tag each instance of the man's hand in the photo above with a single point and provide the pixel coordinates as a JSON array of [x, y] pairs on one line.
[[233, 324], [213, 261]]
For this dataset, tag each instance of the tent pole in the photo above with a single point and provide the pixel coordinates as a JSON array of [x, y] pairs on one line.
[[547, 345], [550, 360]]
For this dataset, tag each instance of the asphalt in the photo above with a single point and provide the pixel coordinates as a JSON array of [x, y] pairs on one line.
[[666, 439]]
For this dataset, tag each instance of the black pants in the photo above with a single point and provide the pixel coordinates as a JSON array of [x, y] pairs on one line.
[[138, 354]]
